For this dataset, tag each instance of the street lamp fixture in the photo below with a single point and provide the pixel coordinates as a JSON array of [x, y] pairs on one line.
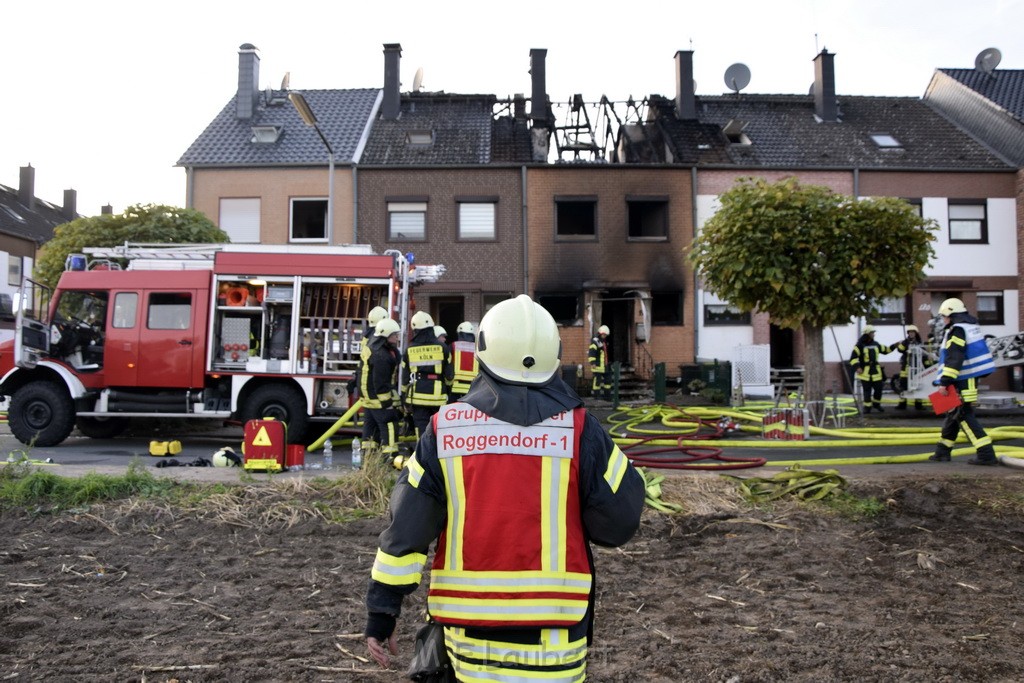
[[309, 118]]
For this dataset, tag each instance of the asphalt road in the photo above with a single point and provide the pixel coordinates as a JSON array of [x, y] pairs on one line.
[[78, 455]]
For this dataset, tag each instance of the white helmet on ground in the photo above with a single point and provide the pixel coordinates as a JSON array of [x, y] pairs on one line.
[[386, 328], [422, 320], [518, 342], [376, 314], [951, 306], [226, 457]]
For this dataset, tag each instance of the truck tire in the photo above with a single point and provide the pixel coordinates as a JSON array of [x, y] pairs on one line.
[[282, 403], [101, 427], [41, 413]]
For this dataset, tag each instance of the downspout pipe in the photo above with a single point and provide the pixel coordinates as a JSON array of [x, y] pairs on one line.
[[696, 279], [525, 229]]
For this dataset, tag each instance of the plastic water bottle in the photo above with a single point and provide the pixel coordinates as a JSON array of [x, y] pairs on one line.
[[328, 455], [357, 454]]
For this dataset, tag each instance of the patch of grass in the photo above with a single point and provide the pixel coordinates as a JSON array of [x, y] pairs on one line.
[[25, 486], [854, 507]]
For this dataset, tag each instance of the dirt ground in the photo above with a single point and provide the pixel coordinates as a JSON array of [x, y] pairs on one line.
[[927, 591]]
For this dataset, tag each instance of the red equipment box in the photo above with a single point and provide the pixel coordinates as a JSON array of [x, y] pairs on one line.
[[265, 445]]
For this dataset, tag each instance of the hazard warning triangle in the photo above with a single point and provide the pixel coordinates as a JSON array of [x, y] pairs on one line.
[[262, 438]]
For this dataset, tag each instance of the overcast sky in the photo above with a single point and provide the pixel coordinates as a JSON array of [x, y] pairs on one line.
[[105, 96]]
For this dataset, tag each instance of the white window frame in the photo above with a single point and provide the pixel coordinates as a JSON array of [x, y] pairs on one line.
[[965, 226], [477, 221], [411, 218], [240, 219], [291, 220]]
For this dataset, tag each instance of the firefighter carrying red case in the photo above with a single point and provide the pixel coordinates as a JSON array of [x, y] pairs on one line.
[[265, 445]]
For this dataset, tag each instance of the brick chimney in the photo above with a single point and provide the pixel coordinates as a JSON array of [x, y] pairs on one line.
[[539, 92], [27, 187], [519, 106], [686, 102], [825, 87], [70, 208], [391, 107], [248, 81], [106, 210]]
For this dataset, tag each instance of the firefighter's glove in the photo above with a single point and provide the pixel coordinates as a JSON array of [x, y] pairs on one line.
[[379, 625]]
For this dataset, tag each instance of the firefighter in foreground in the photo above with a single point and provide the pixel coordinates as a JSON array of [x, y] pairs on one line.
[[963, 358], [865, 360], [427, 369], [463, 360], [597, 357], [513, 482], [378, 390]]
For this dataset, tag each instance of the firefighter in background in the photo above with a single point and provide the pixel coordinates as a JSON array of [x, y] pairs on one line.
[[865, 360], [427, 368], [964, 357], [355, 386], [464, 360], [906, 349], [512, 575], [378, 390], [597, 357]]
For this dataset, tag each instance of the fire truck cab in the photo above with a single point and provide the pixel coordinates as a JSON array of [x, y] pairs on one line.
[[225, 332]]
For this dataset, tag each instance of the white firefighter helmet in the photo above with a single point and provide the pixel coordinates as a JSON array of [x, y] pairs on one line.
[[376, 314], [386, 328], [870, 329], [465, 328], [518, 342], [422, 320], [913, 328], [604, 330], [226, 457], [439, 331], [951, 306]]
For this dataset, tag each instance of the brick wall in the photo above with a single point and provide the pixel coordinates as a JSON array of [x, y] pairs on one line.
[[718, 181], [275, 187], [952, 185]]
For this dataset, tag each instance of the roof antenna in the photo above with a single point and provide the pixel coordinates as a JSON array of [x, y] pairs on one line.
[[815, 43]]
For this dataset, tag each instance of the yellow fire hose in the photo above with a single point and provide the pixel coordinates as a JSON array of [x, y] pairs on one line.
[[341, 422]]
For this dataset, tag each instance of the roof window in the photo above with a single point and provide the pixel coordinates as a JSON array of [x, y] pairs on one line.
[[886, 141], [419, 137], [264, 135], [12, 213], [734, 132]]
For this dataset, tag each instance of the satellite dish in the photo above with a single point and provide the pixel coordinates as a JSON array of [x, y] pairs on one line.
[[810, 90], [417, 81], [987, 60], [737, 77], [286, 81]]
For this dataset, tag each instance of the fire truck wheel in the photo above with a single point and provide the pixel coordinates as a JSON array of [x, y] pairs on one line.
[[281, 403], [42, 411], [101, 427]]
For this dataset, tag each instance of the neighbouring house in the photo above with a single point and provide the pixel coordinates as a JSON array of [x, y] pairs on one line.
[[861, 146], [988, 103], [26, 223], [264, 176]]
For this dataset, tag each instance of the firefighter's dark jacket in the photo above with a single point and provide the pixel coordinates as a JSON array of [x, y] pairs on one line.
[[381, 373], [418, 514]]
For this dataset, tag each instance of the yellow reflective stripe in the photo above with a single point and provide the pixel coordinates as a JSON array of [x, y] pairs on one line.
[[554, 648], [398, 570], [548, 533], [950, 372], [416, 471], [476, 673], [616, 470], [511, 582], [535, 610], [561, 508], [456, 487], [955, 340]]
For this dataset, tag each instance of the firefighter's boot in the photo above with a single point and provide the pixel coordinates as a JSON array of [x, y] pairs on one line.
[[943, 453], [986, 455]]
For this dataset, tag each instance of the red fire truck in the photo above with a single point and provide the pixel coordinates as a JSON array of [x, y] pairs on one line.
[[224, 332]]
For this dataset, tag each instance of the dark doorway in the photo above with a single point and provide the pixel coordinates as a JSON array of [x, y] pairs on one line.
[[781, 341], [448, 313], [617, 314]]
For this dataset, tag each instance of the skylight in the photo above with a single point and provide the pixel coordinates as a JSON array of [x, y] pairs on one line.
[[885, 140], [265, 134], [419, 137]]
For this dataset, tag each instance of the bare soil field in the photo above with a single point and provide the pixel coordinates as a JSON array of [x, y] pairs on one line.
[[244, 590]]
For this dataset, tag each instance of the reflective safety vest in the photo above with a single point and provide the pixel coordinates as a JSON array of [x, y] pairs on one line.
[[466, 366], [978, 361], [597, 355], [426, 374], [512, 552]]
